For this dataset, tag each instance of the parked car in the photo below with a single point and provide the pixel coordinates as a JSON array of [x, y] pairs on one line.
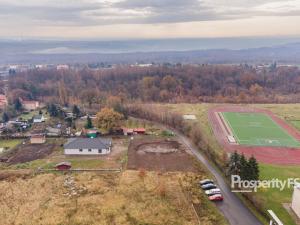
[[208, 186], [206, 181], [215, 198], [213, 192]]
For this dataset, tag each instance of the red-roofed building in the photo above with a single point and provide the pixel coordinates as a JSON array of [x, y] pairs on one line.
[[30, 105], [139, 130], [130, 131], [3, 101], [127, 131]]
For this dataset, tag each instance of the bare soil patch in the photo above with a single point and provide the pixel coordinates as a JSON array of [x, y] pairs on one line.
[[160, 155], [28, 152]]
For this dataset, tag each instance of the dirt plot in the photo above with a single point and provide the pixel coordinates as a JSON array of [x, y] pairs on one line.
[[28, 152], [161, 155]]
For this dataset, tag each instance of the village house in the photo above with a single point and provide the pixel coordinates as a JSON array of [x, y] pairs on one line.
[[62, 67], [54, 132], [37, 139], [88, 146], [131, 131], [30, 105], [38, 119], [3, 101]]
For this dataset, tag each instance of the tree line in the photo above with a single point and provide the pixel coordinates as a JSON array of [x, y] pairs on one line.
[[181, 83]]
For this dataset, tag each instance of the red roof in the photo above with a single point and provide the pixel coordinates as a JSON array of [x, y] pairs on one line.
[[127, 130], [139, 130]]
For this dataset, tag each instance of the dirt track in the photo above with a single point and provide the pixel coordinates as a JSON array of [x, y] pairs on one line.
[[160, 155], [272, 155]]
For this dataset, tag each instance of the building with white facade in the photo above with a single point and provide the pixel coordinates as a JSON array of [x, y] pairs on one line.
[[88, 146]]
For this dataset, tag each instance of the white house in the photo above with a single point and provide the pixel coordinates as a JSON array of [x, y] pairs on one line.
[[38, 119], [189, 117], [88, 146], [296, 200]]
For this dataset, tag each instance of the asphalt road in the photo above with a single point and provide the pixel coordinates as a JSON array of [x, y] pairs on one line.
[[232, 207]]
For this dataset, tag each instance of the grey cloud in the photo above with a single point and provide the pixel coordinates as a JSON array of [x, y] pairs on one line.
[[88, 13]]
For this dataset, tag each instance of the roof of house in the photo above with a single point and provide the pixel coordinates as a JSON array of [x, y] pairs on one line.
[[37, 136], [63, 164], [128, 130], [37, 117], [139, 129], [88, 143]]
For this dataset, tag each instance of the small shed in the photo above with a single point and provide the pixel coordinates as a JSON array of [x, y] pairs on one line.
[[63, 166], [38, 119], [38, 139], [127, 131], [189, 117], [92, 133], [139, 130]]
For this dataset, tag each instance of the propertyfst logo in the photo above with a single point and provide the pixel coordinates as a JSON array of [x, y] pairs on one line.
[[239, 185]]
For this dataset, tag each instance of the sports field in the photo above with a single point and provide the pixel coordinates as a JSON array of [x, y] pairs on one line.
[[258, 129]]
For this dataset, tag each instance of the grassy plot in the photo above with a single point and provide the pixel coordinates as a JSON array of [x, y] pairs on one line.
[[274, 198], [11, 143], [90, 198], [258, 129]]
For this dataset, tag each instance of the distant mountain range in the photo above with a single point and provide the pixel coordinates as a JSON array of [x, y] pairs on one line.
[[222, 50]]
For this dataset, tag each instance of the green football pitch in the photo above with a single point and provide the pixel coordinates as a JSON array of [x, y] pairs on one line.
[[258, 129]]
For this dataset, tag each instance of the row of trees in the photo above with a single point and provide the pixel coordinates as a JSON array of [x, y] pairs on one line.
[[246, 169], [215, 83]]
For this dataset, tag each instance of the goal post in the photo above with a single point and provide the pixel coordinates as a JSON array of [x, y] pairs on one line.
[[274, 219]]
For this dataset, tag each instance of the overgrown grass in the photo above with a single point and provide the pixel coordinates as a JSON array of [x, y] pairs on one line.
[[126, 199], [11, 143]]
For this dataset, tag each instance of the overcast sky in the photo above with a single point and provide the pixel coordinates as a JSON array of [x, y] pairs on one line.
[[123, 19]]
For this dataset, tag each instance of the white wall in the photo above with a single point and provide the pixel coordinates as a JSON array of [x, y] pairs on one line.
[[296, 201], [86, 152]]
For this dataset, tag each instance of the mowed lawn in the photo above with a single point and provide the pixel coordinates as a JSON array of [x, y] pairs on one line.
[[273, 198], [258, 129]]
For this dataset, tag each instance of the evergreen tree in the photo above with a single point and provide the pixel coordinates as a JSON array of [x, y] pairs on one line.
[[89, 123], [253, 169], [244, 173], [234, 164], [5, 117], [52, 109], [17, 105], [76, 110]]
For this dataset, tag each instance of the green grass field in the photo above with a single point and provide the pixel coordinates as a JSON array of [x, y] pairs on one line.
[[258, 129]]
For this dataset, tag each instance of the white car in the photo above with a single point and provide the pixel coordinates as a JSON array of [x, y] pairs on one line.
[[213, 191], [206, 181]]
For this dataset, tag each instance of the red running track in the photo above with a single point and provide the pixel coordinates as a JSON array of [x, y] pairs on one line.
[[270, 155]]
